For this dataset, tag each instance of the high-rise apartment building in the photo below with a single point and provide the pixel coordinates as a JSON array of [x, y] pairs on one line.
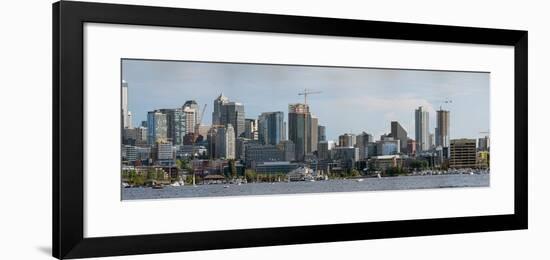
[[229, 113], [422, 126], [463, 153], [362, 142], [322, 133], [346, 140], [271, 127], [299, 132], [398, 133], [157, 130], [442, 130]]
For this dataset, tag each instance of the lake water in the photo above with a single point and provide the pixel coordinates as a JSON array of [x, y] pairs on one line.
[[368, 184]]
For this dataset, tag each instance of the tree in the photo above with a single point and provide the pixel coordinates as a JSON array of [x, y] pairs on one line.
[[151, 174], [354, 173], [419, 164], [250, 175], [232, 168]]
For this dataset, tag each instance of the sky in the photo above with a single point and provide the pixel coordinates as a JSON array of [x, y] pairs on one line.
[[352, 100]]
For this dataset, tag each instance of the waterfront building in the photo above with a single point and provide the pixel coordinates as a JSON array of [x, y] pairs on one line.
[[322, 133], [345, 155], [463, 153], [384, 162], [324, 149], [288, 150], [388, 146], [157, 130], [251, 128], [442, 130], [422, 126], [346, 140], [399, 133], [361, 142], [283, 167], [271, 127], [262, 153], [483, 143], [299, 133]]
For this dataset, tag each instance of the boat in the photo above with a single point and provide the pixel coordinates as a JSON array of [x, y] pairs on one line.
[[225, 186], [359, 180], [379, 176], [157, 186]]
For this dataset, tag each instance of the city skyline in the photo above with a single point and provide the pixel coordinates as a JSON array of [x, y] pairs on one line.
[[379, 96]]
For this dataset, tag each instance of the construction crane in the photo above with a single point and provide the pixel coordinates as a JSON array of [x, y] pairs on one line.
[[307, 92], [201, 115]]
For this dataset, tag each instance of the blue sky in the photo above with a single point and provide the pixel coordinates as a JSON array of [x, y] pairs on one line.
[[352, 99]]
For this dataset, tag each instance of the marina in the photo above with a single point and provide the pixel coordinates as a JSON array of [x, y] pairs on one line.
[[300, 187]]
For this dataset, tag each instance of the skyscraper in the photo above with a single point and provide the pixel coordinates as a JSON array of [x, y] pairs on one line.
[[271, 127], [251, 129], [322, 134], [189, 115], [298, 126], [324, 149], [157, 130], [217, 113], [314, 129], [226, 112], [125, 123], [362, 142], [421, 127], [175, 125], [398, 133], [442, 137], [194, 106], [222, 142], [346, 140]]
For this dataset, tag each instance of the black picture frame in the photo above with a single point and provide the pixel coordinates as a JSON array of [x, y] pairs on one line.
[[68, 128]]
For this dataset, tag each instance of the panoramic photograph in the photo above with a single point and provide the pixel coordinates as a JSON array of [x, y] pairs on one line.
[[210, 129]]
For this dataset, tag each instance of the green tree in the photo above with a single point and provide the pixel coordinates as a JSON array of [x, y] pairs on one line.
[[250, 175], [354, 173], [151, 174]]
